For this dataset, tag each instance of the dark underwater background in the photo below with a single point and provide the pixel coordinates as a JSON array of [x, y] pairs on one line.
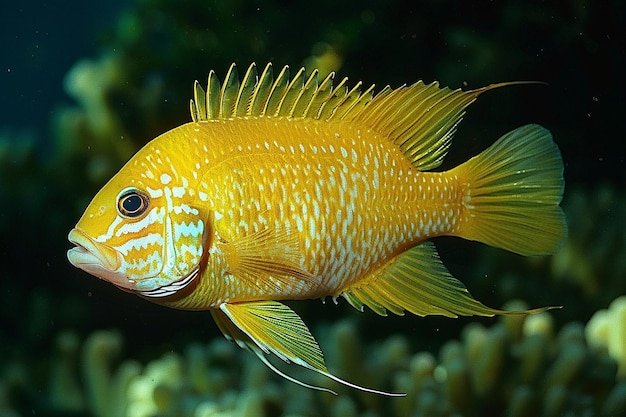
[[84, 84]]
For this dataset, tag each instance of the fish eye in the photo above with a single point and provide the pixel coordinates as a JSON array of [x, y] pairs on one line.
[[132, 203]]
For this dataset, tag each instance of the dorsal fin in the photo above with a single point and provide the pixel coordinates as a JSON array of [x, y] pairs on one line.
[[420, 119], [257, 96]]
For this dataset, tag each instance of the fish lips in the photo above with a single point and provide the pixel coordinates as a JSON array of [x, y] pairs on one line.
[[97, 259]]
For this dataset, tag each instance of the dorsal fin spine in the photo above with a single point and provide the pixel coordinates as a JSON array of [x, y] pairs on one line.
[[276, 92], [299, 97], [260, 96], [245, 92], [303, 100], [197, 105], [320, 95], [228, 93], [347, 104], [213, 90], [288, 99], [335, 99]]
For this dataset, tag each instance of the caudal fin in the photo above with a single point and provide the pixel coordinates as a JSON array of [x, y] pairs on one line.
[[513, 193]]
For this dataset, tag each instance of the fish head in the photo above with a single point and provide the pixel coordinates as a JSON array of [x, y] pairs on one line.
[[141, 232]]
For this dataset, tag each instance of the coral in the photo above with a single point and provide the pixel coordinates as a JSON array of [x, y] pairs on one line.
[[592, 258], [105, 383], [64, 390], [606, 331], [517, 366], [514, 368], [212, 380]]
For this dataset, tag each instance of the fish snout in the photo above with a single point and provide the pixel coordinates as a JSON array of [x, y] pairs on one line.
[[97, 259]]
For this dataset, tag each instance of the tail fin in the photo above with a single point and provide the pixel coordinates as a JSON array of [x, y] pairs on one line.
[[513, 193]]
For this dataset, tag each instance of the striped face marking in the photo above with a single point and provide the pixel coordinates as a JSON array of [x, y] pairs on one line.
[[150, 238]]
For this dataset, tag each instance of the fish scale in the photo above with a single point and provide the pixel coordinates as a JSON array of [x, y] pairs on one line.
[[294, 188]]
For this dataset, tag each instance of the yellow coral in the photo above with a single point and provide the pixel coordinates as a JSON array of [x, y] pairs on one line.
[[153, 392], [607, 329]]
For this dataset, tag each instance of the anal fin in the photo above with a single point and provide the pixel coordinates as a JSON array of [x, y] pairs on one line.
[[417, 281]]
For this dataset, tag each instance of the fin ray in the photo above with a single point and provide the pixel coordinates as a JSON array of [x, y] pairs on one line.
[[228, 93], [213, 90], [276, 92], [260, 94], [235, 335], [246, 91], [272, 327], [291, 94], [267, 256], [418, 282], [303, 99], [319, 96], [513, 193]]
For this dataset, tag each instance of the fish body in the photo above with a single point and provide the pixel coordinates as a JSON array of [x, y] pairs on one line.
[[349, 199], [292, 189]]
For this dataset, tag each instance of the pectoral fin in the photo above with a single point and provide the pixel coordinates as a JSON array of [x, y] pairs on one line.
[[266, 258], [271, 327]]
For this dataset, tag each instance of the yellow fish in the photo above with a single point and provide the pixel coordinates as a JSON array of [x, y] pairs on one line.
[[290, 189]]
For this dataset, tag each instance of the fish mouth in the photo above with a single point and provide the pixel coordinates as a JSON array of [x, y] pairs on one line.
[[97, 259], [90, 252]]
